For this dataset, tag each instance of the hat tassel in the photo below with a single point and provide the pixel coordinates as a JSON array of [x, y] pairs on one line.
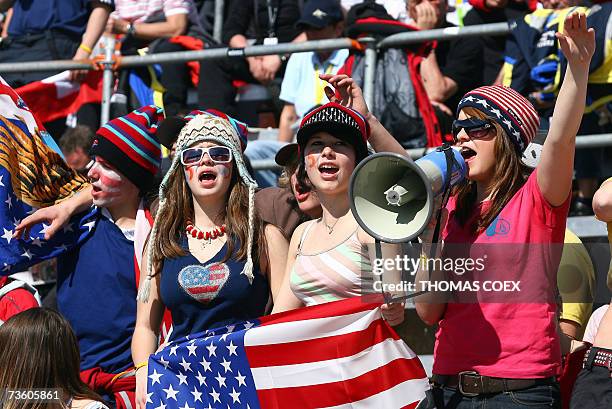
[[248, 266], [144, 290]]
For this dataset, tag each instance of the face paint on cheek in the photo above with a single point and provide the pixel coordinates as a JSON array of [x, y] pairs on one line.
[[110, 180], [224, 172], [190, 172], [311, 161], [108, 183]]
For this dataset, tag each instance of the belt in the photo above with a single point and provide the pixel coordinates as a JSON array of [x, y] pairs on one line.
[[471, 383], [598, 357]]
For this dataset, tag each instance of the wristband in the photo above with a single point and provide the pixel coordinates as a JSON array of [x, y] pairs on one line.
[[141, 365], [85, 48]]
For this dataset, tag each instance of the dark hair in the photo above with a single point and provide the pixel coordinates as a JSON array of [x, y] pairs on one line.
[[80, 136], [39, 350]]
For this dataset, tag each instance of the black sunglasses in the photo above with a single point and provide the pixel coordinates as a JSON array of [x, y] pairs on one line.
[[475, 128]]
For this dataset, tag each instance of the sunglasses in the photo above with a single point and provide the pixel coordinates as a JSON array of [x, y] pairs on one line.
[[218, 154], [475, 128]]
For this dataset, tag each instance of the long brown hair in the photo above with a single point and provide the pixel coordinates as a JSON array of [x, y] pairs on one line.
[[509, 176], [178, 209], [39, 350]]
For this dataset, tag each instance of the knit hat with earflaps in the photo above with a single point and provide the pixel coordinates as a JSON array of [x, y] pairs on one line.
[[217, 127]]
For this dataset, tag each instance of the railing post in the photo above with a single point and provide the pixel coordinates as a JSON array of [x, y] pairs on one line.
[[369, 75], [218, 24], [107, 79]]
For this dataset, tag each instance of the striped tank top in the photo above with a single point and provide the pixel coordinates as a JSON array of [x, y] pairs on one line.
[[331, 275]]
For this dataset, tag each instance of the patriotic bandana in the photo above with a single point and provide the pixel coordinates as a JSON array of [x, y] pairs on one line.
[[513, 112]]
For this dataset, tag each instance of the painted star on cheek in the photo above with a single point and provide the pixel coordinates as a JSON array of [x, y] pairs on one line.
[[190, 172]]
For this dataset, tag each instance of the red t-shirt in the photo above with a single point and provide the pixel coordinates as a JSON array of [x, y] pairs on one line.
[[507, 333], [15, 301]]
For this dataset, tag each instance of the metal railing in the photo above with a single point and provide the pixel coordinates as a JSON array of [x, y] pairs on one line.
[[368, 44]]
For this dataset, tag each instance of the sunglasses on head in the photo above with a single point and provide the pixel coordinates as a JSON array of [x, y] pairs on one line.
[[475, 128], [218, 154]]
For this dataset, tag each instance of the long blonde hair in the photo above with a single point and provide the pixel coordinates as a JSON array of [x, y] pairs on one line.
[[509, 176]]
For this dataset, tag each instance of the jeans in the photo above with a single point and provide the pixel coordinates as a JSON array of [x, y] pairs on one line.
[[262, 149], [536, 397]]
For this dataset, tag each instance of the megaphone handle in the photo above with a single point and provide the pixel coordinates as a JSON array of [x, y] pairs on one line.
[[450, 160], [378, 252]]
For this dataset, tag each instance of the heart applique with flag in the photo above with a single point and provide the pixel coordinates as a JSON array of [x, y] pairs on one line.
[[203, 283]]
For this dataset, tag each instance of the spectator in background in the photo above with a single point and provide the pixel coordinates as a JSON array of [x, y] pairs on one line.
[[272, 22], [16, 296], [305, 198], [448, 71], [153, 24], [534, 67], [40, 351], [302, 88], [491, 57], [395, 8], [576, 282], [75, 145], [51, 30], [593, 388]]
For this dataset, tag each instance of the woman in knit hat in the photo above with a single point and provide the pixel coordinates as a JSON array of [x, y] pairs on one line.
[[209, 259], [501, 347], [329, 258]]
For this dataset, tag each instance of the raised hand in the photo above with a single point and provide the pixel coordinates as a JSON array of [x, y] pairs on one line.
[[577, 42], [350, 93], [426, 16]]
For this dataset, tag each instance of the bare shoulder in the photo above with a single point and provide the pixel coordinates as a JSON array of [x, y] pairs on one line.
[[364, 237], [297, 233]]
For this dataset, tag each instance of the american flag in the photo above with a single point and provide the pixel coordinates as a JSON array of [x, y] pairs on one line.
[[335, 355], [33, 174]]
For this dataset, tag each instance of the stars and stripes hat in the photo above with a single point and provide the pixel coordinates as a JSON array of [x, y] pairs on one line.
[[129, 144], [341, 122], [513, 112]]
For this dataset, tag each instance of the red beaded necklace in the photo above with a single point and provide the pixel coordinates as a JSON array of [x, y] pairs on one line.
[[205, 235]]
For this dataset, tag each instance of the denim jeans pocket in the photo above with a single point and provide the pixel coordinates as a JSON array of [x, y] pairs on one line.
[[537, 396]]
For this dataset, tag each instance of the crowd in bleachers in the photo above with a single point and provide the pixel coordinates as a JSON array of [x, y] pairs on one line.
[[428, 78], [203, 203]]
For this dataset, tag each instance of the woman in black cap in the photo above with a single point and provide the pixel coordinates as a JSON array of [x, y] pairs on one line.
[[328, 258]]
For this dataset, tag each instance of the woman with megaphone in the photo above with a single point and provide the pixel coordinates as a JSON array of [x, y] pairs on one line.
[[501, 349], [329, 258]]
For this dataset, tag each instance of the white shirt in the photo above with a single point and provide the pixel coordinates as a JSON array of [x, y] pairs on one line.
[[593, 324]]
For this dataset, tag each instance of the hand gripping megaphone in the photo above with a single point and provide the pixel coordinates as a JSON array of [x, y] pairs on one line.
[[392, 197]]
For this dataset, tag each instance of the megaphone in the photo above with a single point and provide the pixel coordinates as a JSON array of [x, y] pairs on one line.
[[392, 197]]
